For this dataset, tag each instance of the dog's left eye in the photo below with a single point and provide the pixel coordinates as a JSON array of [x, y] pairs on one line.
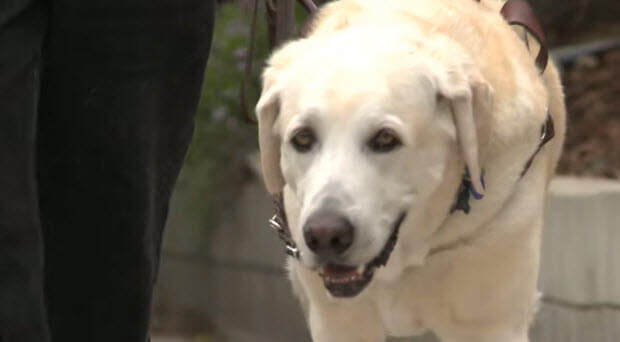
[[384, 141], [303, 140]]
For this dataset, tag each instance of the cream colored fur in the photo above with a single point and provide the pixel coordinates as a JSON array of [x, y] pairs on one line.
[[459, 87]]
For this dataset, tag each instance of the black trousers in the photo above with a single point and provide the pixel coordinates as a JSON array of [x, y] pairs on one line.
[[97, 101]]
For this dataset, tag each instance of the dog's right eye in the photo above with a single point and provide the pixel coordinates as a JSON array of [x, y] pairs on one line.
[[384, 141], [303, 140]]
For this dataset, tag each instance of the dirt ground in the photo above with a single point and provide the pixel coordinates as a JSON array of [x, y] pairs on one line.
[[592, 87]]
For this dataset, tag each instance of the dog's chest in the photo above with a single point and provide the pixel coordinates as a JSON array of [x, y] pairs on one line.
[[400, 316]]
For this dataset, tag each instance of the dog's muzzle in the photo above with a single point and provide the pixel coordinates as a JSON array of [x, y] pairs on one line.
[[349, 281], [339, 280]]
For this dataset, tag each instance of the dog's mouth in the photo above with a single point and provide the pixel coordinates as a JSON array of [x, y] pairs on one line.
[[349, 281]]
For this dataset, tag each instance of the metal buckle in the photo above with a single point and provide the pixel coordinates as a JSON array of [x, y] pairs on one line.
[[292, 251], [274, 224]]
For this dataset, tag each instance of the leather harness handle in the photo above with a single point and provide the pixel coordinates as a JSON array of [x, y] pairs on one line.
[[519, 12], [515, 12]]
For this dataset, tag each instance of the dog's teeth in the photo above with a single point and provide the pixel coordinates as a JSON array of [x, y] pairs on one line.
[[345, 279]]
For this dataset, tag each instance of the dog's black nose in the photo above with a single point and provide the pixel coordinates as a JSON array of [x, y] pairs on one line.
[[328, 233]]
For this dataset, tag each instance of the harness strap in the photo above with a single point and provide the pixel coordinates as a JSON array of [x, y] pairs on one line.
[[515, 12], [519, 12], [547, 132]]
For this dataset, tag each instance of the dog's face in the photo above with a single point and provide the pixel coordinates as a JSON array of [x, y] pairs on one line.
[[361, 136]]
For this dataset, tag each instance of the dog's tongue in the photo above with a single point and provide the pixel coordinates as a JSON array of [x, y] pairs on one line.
[[339, 271]]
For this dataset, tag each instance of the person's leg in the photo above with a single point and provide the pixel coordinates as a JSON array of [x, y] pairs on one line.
[[22, 314], [119, 94]]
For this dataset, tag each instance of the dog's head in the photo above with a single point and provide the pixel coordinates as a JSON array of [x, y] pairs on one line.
[[359, 126]]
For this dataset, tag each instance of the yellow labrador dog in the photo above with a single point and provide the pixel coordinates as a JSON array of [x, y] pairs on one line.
[[401, 133]]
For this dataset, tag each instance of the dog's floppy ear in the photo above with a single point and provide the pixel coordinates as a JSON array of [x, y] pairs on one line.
[[267, 110], [466, 92]]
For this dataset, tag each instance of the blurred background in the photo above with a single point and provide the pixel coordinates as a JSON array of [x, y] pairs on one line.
[[222, 275]]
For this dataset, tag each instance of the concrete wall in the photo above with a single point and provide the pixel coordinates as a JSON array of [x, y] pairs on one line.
[[580, 270], [234, 275]]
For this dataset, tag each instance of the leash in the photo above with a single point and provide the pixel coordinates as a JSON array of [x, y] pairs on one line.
[[272, 13], [309, 5], [247, 70]]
